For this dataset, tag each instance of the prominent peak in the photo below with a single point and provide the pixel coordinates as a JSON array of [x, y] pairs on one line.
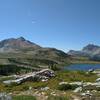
[[17, 44], [21, 38], [88, 50], [91, 47]]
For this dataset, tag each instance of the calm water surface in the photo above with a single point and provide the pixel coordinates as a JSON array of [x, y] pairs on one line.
[[83, 67]]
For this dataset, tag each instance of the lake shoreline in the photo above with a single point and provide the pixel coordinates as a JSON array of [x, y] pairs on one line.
[[82, 66], [85, 62]]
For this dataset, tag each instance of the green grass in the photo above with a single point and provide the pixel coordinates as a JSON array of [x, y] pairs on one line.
[[57, 98], [66, 76], [4, 78], [24, 98], [71, 76], [2, 87]]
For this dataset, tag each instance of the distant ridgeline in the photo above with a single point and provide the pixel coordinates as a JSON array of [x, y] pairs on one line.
[[91, 51], [21, 55]]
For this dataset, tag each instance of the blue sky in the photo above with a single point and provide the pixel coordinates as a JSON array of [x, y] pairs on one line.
[[63, 24]]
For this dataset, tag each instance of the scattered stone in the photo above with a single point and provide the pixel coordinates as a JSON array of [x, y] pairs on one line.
[[61, 83], [44, 75], [4, 96], [45, 88], [53, 93], [79, 89]]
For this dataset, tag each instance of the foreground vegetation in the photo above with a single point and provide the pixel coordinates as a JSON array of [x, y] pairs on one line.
[[23, 97], [57, 98], [61, 76], [12, 69], [26, 90]]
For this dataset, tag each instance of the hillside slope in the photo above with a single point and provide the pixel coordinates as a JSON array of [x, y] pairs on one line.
[[22, 51]]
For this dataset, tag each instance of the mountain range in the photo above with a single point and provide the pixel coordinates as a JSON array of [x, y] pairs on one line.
[[19, 50], [92, 51]]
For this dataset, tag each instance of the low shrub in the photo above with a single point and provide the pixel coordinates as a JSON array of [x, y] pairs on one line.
[[24, 98], [57, 98], [65, 87]]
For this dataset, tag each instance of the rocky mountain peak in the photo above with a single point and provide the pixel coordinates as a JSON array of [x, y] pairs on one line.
[[90, 50], [90, 47], [21, 38], [13, 44]]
